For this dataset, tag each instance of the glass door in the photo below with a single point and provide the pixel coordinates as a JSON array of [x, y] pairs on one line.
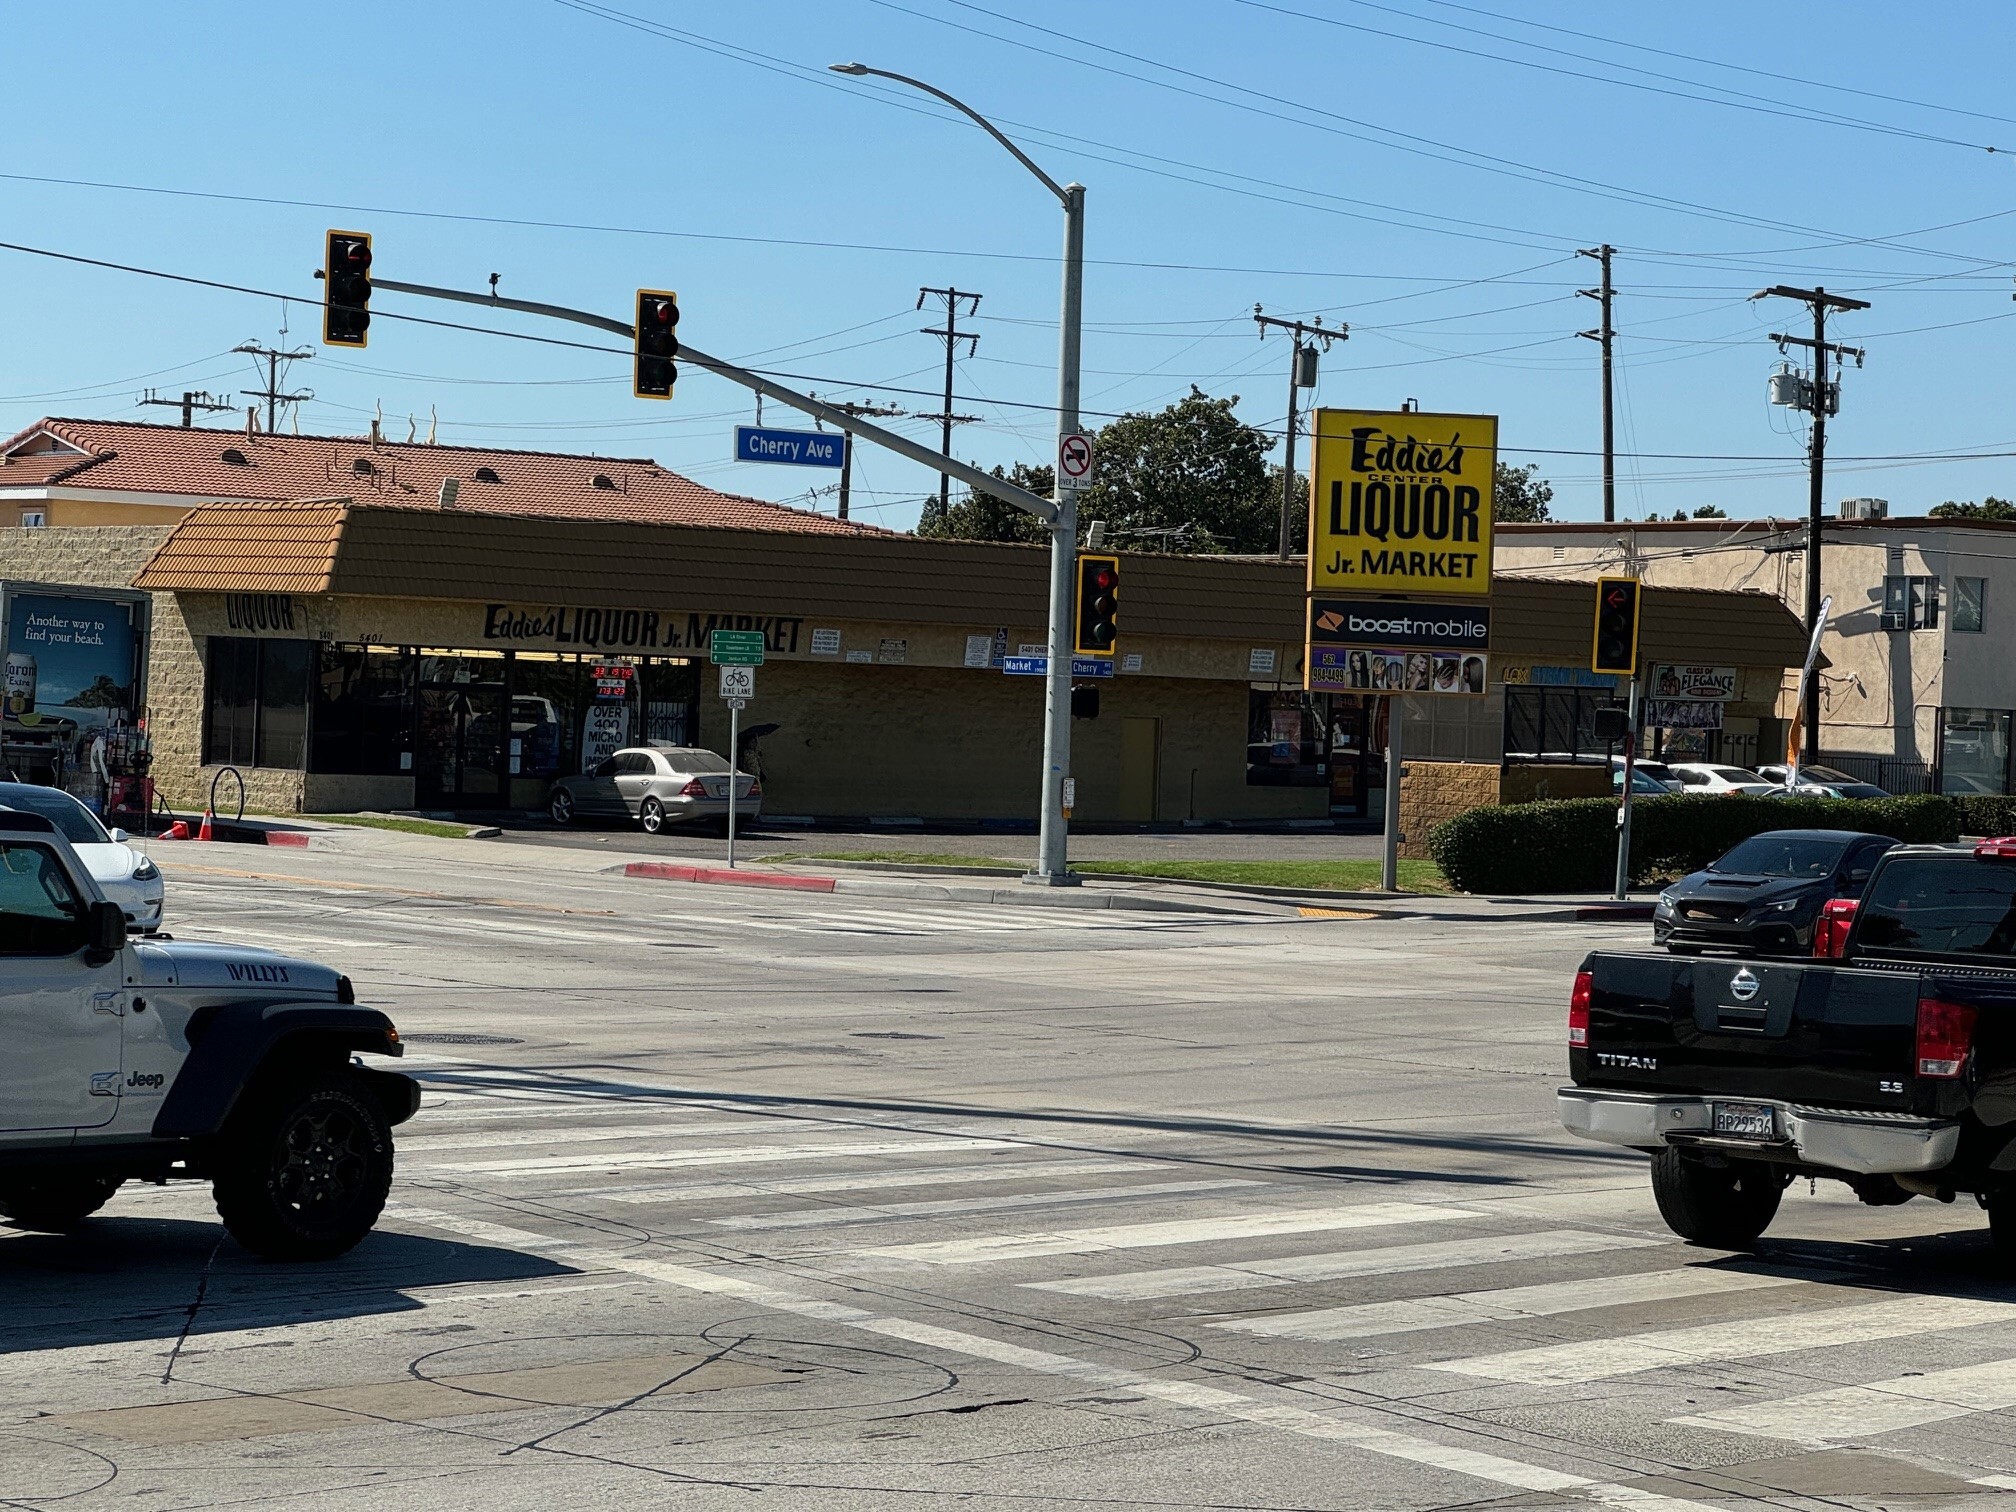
[[462, 727]]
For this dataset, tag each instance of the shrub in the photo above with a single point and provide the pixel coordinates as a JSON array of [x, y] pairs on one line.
[[1571, 845], [1984, 814]]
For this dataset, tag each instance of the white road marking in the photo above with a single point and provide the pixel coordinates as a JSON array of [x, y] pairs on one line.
[[421, 1142], [1748, 1338], [1251, 1275], [1505, 1304], [814, 1217], [993, 1247], [861, 1181], [1193, 1396], [1856, 1412], [720, 1155]]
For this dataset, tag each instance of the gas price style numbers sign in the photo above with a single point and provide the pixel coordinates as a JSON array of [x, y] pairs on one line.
[[1401, 502]]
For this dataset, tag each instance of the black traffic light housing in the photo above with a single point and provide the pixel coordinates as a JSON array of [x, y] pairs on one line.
[[1098, 622], [1085, 701], [346, 293], [657, 344], [1615, 647]]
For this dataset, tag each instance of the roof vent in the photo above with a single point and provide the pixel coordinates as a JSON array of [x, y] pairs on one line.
[[603, 480], [364, 466], [487, 475], [1865, 509], [235, 457]]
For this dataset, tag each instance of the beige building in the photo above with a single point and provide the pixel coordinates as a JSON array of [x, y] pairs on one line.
[[1917, 689]]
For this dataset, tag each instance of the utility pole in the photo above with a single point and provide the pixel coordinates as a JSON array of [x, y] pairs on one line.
[[272, 393], [873, 412], [1301, 375], [1606, 334], [1821, 399], [189, 403], [952, 336]]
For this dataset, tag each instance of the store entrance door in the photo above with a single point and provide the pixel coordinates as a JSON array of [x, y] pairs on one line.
[[460, 759]]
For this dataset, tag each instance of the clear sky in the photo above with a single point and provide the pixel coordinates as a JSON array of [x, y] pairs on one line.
[[1420, 169]]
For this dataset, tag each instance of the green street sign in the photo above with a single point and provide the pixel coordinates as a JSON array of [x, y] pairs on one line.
[[735, 648]]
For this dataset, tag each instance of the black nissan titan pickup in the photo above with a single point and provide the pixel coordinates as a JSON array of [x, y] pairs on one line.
[[1888, 1061]]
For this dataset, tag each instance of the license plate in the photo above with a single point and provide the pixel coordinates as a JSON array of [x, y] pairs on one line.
[[1746, 1120]]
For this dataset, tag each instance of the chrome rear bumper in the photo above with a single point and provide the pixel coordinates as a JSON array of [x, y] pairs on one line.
[[1835, 1139]]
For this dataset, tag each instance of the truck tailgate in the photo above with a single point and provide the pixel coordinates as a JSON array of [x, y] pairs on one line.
[[1814, 1033]]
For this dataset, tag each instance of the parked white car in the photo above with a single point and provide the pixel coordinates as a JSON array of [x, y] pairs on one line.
[[1819, 782], [123, 874], [1652, 771], [1707, 777]]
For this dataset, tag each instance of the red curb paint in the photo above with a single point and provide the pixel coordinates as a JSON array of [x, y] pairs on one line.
[[666, 871], [287, 837]]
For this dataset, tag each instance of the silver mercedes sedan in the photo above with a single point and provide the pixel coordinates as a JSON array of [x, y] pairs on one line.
[[657, 786]]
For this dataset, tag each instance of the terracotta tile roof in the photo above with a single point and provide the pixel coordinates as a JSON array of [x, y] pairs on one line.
[[173, 460], [250, 548]]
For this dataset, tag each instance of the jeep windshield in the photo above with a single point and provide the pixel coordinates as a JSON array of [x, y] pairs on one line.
[[1780, 856], [1957, 905]]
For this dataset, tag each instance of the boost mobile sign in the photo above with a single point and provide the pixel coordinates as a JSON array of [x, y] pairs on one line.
[[1401, 502]]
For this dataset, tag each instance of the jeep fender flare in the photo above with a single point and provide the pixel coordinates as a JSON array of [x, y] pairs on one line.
[[229, 1047]]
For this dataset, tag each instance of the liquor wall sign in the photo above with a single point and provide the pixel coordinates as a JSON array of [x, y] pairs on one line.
[[1401, 501]]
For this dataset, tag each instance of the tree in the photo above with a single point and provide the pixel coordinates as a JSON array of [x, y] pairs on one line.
[[1191, 477], [1990, 508], [987, 517], [1519, 497], [1703, 512]]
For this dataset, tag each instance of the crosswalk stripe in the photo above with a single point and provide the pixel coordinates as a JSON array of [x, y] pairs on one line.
[[1251, 1275], [1505, 1304], [423, 1142], [817, 1217], [861, 1181], [1749, 1338], [1856, 1412], [992, 1247], [720, 1155]]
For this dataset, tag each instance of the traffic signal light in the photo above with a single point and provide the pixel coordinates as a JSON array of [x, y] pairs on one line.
[[1616, 640], [657, 344], [1098, 605], [346, 298]]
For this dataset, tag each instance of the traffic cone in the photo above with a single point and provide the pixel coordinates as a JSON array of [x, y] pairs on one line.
[[206, 833], [176, 831]]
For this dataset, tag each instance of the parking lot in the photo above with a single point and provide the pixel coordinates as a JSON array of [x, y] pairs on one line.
[[717, 1193]]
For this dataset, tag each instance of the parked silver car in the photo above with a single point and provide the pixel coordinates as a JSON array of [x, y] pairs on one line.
[[656, 786]]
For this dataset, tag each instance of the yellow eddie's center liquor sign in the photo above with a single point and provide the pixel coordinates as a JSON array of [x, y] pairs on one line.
[[1401, 502]]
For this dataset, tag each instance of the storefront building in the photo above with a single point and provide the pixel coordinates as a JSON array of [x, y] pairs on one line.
[[347, 655]]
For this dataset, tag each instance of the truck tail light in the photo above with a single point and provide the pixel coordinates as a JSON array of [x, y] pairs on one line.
[[694, 789], [2001, 848], [1578, 1010], [1945, 1035], [1830, 930]]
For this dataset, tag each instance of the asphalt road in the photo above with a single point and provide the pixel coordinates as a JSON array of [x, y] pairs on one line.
[[752, 1200]]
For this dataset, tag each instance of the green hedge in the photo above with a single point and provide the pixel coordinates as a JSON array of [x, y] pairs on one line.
[[1984, 815], [1570, 845]]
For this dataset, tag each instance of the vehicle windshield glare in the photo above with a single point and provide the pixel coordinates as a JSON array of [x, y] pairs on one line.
[[687, 760], [1942, 905], [1780, 856], [73, 821], [1735, 774]]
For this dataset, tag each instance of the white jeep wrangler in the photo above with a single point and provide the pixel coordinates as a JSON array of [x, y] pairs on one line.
[[135, 1060]]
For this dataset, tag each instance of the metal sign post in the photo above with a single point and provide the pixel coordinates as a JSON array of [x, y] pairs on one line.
[[734, 740], [1389, 867], [738, 686], [1624, 809]]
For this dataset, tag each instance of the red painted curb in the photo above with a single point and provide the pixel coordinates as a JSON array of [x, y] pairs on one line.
[[287, 837], [666, 871]]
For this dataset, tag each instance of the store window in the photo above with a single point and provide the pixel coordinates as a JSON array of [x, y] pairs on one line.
[[1910, 603], [1969, 595], [363, 717], [1555, 724], [1974, 751], [256, 712], [1287, 738]]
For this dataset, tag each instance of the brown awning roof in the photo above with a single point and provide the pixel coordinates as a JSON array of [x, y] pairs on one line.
[[375, 552]]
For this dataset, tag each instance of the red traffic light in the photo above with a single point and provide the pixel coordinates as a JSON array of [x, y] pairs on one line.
[[1104, 578]]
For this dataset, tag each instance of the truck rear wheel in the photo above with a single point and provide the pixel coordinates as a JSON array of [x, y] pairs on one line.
[[305, 1169], [1723, 1207], [56, 1203]]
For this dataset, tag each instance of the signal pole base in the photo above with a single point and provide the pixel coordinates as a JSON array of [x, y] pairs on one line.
[[1052, 879]]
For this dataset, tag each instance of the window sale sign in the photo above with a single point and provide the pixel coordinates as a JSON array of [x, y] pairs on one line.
[[1401, 501]]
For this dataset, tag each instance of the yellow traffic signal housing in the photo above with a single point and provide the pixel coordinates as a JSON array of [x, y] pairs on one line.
[[655, 372], [1098, 622], [346, 288], [1614, 646]]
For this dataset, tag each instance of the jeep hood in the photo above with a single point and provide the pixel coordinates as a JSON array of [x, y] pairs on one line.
[[189, 964]]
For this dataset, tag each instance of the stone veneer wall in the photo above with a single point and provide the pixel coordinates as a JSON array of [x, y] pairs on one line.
[[1431, 791]]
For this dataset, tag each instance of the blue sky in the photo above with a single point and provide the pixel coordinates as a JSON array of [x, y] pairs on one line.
[[1388, 165]]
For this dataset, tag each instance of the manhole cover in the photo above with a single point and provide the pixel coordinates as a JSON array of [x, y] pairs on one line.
[[460, 1039]]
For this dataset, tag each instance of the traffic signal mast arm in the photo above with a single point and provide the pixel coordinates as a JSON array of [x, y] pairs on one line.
[[1043, 509]]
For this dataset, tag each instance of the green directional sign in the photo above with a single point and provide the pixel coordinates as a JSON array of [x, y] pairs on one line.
[[735, 648]]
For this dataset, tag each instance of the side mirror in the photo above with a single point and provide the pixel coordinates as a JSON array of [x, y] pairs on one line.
[[119, 836], [105, 928]]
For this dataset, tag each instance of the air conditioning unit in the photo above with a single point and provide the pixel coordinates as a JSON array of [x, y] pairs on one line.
[[1865, 509]]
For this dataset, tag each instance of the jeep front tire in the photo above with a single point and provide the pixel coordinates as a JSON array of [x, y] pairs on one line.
[[303, 1170], [53, 1203]]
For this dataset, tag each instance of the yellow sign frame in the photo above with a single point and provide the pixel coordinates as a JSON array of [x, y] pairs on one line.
[[1400, 502]]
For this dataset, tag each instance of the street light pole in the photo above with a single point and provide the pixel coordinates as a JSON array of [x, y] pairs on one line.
[[1052, 866]]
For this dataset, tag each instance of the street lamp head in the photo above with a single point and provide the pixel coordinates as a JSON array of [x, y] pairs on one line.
[[857, 69]]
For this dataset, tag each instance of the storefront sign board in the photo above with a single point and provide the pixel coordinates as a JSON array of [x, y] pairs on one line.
[[1398, 625], [1401, 502], [1684, 714], [1676, 681], [1368, 669]]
